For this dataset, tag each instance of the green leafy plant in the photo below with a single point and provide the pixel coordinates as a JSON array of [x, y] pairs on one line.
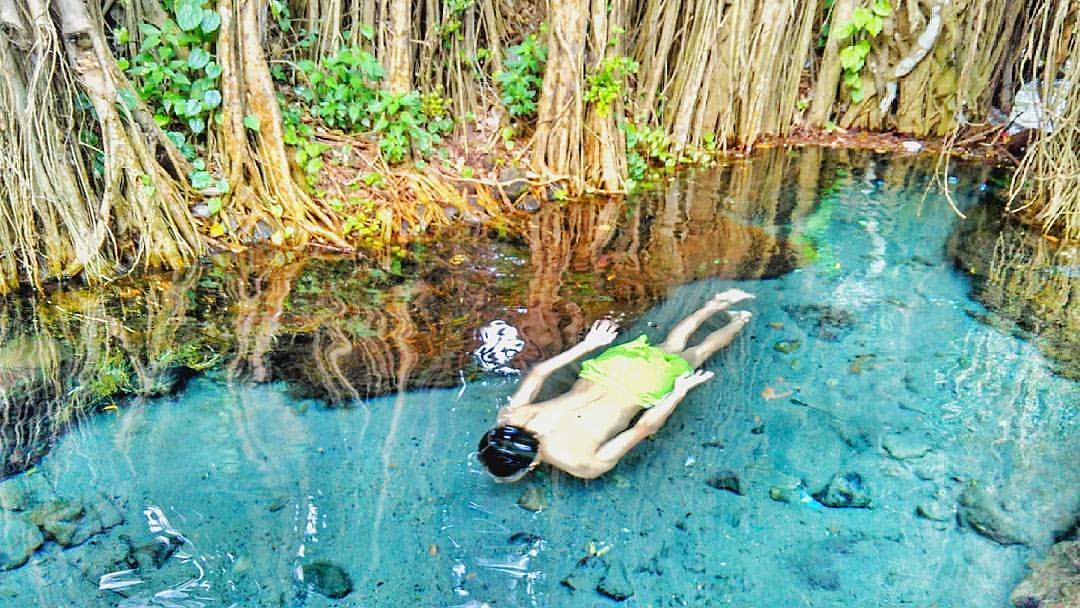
[[649, 153], [176, 73], [343, 92], [865, 24], [607, 84], [522, 76]]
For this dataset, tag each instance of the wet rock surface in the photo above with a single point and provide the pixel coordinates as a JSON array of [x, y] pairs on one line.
[[844, 491], [981, 512]]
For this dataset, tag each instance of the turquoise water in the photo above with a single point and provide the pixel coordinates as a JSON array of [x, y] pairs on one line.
[[889, 375]]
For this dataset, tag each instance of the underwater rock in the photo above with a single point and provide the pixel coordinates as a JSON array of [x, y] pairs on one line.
[[19, 538], [726, 480], [1054, 582], [825, 322], [71, 522], [903, 446], [532, 499], [98, 557], [328, 579], [783, 494], [934, 511], [787, 346], [979, 511], [21, 492], [844, 492], [153, 554], [615, 583]]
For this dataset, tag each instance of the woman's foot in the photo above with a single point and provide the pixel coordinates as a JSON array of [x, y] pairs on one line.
[[725, 299], [740, 317]]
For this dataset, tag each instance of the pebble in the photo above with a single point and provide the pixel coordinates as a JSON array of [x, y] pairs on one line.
[[787, 346], [726, 480]]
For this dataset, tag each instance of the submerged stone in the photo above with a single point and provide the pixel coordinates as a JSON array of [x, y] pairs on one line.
[[728, 481], [979, 511], [532, 499], [825, 322], [934, 511], [903, 446], [787, 346], [17, 493], [615, 583], [844, 492], [72, 522], [19, 538], [153, 554], [327, 578]]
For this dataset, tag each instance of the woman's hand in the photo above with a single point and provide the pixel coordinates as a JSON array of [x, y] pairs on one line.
[[603, 332], [689, 380]]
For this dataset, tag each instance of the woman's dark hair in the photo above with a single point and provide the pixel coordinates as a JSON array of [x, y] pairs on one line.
[[508, 450]]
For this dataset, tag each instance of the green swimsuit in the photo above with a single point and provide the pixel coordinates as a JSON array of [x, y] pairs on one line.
[[643, 372]]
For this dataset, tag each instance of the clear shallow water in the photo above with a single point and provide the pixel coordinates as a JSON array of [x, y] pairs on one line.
[[252, 477]]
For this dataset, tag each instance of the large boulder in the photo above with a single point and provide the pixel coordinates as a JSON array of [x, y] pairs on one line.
[[19, 538]]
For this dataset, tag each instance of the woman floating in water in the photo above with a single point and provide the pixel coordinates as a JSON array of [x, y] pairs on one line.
[[586, 430]]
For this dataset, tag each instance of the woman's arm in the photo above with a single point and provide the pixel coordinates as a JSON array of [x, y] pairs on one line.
[[609, 454], [602, 333]]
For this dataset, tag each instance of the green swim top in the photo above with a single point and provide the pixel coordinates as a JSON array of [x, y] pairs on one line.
[[643, 372]]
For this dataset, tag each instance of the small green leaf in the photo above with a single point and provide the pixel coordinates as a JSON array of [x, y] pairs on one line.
[[213, 205], [198, 58], [881, 8], [201, 179], [197, 125], [211, 99], [213, 70], [874, 25], [860, 17], [189, 14], [858, 94], [366, 31], [251, 121], [211, 21]]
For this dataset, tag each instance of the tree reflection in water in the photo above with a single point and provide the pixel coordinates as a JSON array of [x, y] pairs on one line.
[[343, 331]]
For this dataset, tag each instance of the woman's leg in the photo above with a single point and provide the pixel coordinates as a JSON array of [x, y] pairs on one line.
[[718, 339], [676, 340]]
